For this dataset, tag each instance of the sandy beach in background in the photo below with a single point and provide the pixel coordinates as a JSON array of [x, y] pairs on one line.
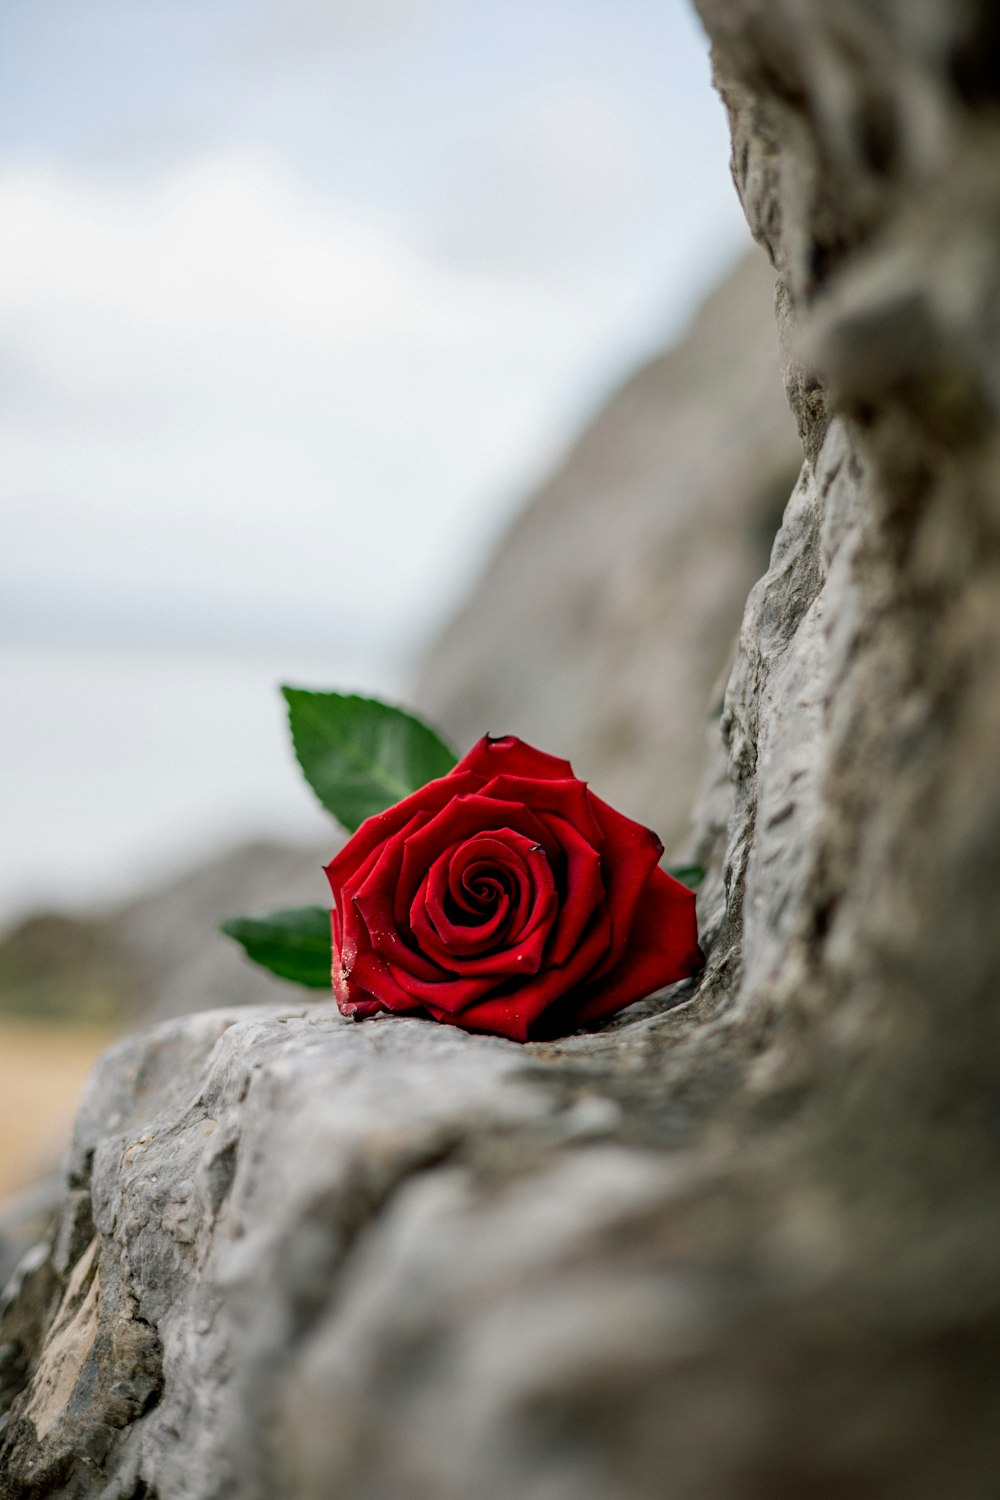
[[42, 1070]]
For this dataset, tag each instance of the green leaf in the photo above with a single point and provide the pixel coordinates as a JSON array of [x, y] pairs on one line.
[[294, 943], [359, 755], [690, 875]]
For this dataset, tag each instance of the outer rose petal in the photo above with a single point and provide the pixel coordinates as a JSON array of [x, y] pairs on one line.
[[506, 755], [377, 830], [376, 929], [631, 854], [359, 1006], [403, 991], [584, 890], [662, 948], [528, 1003], [398, 990], [505, 1015], [567, 797]]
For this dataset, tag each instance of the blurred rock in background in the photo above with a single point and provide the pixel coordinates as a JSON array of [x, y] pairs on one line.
[[610, 609], [160, 954]]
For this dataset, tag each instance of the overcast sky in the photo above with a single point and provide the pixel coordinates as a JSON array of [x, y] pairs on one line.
[[297, 296]]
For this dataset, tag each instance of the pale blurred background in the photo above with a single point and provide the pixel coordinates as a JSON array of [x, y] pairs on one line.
[[298, 300]]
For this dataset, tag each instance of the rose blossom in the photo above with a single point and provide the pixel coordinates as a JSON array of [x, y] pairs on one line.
[[505, 897]]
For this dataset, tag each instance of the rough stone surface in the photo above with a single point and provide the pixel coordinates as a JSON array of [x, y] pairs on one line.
[[279, 1224], [744, 1247], [617, 594]]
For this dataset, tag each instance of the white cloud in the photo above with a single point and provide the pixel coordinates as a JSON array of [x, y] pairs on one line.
[[308, 25], [555, 186], [230, 378], [218, 270]]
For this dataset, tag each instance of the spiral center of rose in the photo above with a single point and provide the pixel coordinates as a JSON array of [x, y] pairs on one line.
[[484, 885], [482, 897]]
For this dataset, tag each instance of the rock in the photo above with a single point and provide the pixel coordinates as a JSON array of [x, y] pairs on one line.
[[172, 933], [183, 1205], [607, 615], [740, 1247], [160, 954]]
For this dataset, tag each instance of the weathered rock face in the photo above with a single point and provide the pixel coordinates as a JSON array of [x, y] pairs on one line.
[[741, 1248], [305, 1257], [861, 722], [617, 594]]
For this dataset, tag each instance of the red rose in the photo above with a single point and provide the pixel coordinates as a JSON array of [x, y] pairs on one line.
[[506, 897]]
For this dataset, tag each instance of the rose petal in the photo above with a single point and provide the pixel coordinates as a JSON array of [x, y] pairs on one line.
[[429, 914], [662, 948], [496, 755], [501, 860], [346, 930], [567, 797], [583, 889], [522, 953], [451, 993], [532, 998], [506, 1015], [375, 831], [631, 852], [361, 1007], [520, 921], [466, 816], [372, 901]]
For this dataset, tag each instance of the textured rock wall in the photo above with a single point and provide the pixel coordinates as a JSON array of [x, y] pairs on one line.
[[861, 721], [741, 1248]]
